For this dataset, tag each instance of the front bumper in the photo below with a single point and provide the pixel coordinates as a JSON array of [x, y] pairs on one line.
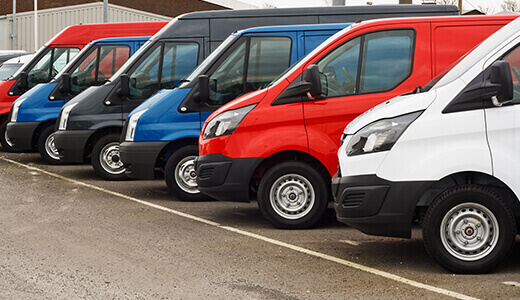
[[139, 158], [21, 135], [71, 144], [225, 178], [376, 206]]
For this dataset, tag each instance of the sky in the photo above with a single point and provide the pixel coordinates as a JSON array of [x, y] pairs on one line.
[[466, 4]]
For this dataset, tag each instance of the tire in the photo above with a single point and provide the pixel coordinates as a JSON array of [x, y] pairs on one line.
[[46, 146], [180, 175], [4, 140], [469, 229], [106, 160], [296, 184]]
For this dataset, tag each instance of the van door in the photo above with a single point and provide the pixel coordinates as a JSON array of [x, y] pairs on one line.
[[357, 75], [163, 67], [503, 130]]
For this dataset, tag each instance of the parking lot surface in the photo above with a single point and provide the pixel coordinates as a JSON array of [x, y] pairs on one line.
[[68, 234]]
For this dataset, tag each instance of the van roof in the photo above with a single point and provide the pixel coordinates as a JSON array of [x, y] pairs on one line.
[[221, 23], [334, 26], [323, 10], [83, 34]]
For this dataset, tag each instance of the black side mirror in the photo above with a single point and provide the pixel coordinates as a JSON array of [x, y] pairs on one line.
[[65, 88], [125, 85], [203, 88], [501, 82], [23, 85], [312, 77]]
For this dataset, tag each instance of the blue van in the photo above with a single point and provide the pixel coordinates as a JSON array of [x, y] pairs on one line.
[[34, 114], [162, 132]]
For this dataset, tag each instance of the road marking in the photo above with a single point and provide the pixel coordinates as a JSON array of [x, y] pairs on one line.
[[512, 283], [341, 261], [352, 243]]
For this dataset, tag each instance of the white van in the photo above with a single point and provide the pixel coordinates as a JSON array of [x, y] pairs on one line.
[[447, 155]]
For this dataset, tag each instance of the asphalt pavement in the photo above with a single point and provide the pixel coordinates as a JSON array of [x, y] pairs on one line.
[[68, 234]]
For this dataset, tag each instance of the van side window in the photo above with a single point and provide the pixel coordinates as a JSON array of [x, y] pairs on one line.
[[164, 67], [513, 58], [266, 58], [50, 65], [386, 60], [91, 72]]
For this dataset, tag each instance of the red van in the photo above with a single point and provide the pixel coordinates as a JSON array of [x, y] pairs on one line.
[[56, 53], [280, 142]]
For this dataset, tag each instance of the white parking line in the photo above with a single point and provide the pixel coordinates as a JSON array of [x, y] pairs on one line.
[[259, 237], [512, 283], [352, 243]]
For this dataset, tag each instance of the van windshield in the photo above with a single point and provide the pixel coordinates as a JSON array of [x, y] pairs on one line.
[[210, 59], [76, 58]]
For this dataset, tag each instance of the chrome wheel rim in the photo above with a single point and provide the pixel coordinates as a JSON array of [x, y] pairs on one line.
[[186, 176], [469, 231], [50, 147], [7, 139], [292, 196], [110, 159]]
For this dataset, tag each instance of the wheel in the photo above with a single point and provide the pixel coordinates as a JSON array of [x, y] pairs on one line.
[[293, 195], [180, 175], [46, 146], [7, 145], [106, 160], [469, 229]]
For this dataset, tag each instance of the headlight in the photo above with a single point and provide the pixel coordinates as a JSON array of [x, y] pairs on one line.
[[380, 135], [132, 123], [65, 116], [226, 122], [16, 107]]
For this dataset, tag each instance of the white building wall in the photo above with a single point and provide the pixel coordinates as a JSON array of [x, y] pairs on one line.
[[52, 21]]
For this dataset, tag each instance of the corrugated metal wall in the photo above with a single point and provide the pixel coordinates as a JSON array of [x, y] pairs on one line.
[[52, 21]]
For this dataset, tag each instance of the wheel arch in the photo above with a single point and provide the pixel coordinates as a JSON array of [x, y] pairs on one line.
[[173, 146], [94, 137], [476, 178], [39, 129], [282, 156]]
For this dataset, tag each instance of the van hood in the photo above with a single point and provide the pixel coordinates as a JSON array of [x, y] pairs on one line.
[[397, 106], [245, 100]]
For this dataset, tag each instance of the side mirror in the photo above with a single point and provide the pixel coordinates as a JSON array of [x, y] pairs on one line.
[[501, 82], [65, 88], [203, 88], [23, 85], [125, 85], [312, 77]]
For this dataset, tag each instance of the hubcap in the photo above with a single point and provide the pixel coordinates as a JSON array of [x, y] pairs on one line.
[[50, 147], [7, 139], [292, 196], [110, 160], [186, 176], [469, 231]]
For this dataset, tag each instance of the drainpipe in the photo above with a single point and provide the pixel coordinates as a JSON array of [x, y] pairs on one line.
[[13, 35]]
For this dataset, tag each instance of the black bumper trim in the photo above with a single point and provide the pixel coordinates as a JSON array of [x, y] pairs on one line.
[[21, 135], [139, 158], [71, 144], [224, 178], [381, 207]]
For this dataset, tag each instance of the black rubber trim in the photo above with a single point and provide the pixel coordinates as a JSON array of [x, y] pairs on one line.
[[139, 158], [382, 207], [20, 134], [225, 178], [71, 144]]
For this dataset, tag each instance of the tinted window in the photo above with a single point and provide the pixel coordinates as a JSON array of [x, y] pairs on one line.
[[267, 57], [164, 67], [49, 65], [514, 61], [386, 60], [99, 65]]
